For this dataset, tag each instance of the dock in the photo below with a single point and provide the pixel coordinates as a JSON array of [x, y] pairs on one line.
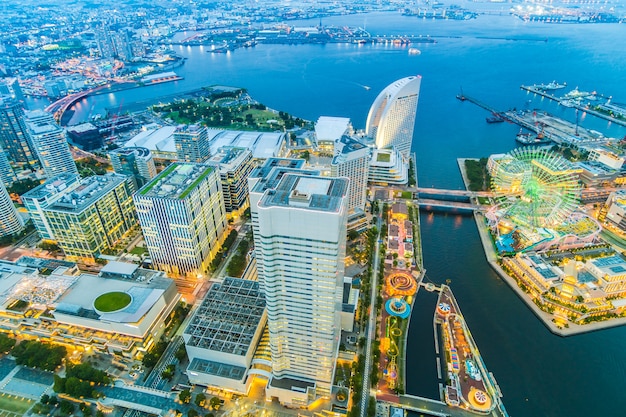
[[577, 104], [550, 127]]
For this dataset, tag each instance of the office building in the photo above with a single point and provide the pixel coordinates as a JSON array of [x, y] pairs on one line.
[[391, 118], [50, 143], [68, 299], [235, 165], [10, 220], [351, 160], [92, 218], [192, 143], [223, 334], [263, 178], [7, 175], [302, 239], [44, 195], [182, 216], [330, 129], [136, 162], [13, 136]]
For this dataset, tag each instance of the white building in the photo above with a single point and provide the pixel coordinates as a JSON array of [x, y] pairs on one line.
[[7, 175], [616, 209], [387, 166], [352, 160], [43, 196], [607, 158], [182, 216], [10, 220], [50, 143], [302, 240], [391, 118], [330, 129]]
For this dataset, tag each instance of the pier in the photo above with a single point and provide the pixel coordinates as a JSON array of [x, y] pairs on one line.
[[573, 103]]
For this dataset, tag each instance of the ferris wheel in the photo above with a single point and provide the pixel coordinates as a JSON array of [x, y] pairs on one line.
[[536, 187]]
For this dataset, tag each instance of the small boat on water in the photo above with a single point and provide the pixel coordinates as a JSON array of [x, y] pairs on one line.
[[494, 119]]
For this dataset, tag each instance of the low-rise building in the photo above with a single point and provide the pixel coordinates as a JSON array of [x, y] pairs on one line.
[[387, 167], [64, 308]]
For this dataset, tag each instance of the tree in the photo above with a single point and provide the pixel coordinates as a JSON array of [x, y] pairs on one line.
[[6, 343], [353, 234], [22, 186], [66, 407], [39, 355], [181, 353], [200, 400], [184, 396], [192, 413], [215, 403]]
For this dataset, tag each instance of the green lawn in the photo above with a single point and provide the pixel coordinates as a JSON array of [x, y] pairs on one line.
[[112, 301], [15, 404], [138, 250], [383, 157]]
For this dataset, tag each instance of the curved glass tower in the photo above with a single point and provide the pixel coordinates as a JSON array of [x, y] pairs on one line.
[[391, 118]]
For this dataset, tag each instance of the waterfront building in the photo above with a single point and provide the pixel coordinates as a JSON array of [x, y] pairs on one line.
[[134, 161], [93, 217], [302, 241], [192, 143], [594, 174], [235, 165], [44, 195], [50, 143], [223, 334], [158, 140], [182, 216], [72, 319], [86, 136], [328, 130], [261, 179], [13, 136], [607, 158], [7, 175], [391, 118], [387, 167], [10, 220]]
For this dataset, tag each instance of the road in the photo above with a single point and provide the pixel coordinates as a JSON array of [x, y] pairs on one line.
[[371, 325]]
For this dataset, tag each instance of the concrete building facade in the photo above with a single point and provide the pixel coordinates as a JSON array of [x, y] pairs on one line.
[[192, 143]]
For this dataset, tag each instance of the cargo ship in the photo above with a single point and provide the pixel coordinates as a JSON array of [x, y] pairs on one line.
[[162, 77]]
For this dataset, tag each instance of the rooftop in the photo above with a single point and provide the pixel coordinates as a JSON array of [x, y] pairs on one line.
[[301, 190], [216, 368], [134, 150], [119, 268], [331, 128], [228, 317], [271, 163], [52, 186], [229, 157], [153, 138], [176, 181], [90, 190]]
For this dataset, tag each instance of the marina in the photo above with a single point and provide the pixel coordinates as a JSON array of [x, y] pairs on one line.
[[592, 103]]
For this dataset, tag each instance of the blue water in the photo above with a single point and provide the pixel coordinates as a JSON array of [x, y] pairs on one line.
[[540, 374]]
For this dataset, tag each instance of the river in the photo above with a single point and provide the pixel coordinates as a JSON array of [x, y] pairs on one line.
[[489, 58]]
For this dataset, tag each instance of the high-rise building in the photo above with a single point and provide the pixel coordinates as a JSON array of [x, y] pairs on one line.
[[182, 216], [235, 167], [11, 87], [50, 143], [93, 217], [44, 195], [302, 239], [391, 118], [13, 137], [352, 160], [192, 143], [7, 175], [134, 161], [263, 178], [10, 220]]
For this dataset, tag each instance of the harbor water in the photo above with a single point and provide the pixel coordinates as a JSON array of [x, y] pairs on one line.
[[540, 374]]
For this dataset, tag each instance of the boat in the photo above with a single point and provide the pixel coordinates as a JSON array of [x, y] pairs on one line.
[[530, 138], [553, 86], [494, 119], [414, 51]]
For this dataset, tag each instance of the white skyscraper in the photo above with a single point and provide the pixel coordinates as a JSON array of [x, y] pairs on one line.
[[301, 238], [182, 216], [50, 143], [10, 220], [391, 118]]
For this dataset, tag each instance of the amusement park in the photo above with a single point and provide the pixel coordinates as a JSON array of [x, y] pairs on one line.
[[549, 246]]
